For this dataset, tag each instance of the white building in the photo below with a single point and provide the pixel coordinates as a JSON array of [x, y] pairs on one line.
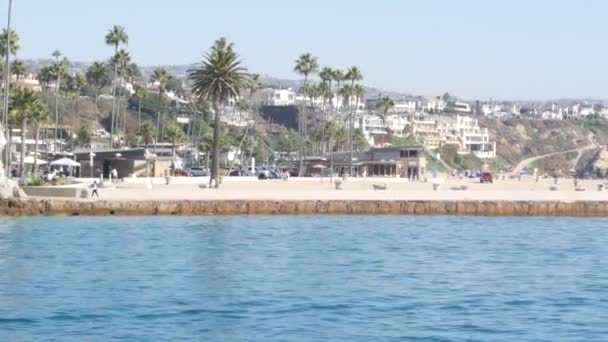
[[435, 104], [373, 128], [277, 97], [473, 139], [396, 123]]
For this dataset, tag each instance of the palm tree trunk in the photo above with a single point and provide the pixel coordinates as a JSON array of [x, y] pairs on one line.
[[35, 167], [57, 88], [301, 126], [96, 102], [139, 114], [215, 162], [158, 118], [22, 161], [113, 91]]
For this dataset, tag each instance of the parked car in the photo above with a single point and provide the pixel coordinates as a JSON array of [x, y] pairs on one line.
[[268, 174], [181, 173], [486, 177], [235, 173], [198, 172], [292, 172]]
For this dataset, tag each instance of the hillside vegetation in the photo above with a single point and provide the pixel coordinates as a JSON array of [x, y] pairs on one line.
[[518, 139]]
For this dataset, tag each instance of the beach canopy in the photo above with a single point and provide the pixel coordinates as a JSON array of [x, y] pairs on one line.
[[319, 166], [65, 162]]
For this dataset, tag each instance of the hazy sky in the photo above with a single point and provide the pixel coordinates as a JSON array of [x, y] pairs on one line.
[[521, 49]]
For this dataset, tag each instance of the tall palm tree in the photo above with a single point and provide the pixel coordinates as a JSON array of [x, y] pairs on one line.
[[162, 77], [140, 95], [59, 70], [14, 43], [24, 103], [306, 65], [19, 69], [220, 77], [338, 77], [327, 76], [116, 36], [40, 115], [97, 76], [353, 75], [146, 132], [121, 62], [358, 93]]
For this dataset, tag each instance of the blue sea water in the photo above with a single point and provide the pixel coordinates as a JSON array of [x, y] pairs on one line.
[[304, 278]]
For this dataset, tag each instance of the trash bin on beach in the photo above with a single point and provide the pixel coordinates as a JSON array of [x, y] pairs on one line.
[[338, 184]]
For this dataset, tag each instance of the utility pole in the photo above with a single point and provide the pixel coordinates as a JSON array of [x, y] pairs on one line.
[[6, 91]]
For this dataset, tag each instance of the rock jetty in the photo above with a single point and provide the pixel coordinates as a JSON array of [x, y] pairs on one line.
[[43, 207]]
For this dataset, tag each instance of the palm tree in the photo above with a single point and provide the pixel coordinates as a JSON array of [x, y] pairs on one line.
[[175, 135], [14, 43], [97, 76], [147, 132], [385, 105], [162, 77], [40, 115], [220, 77], [359, 93], [45, 76], [24, 103], [18, 68], [59, 70], [353, 75], [306, 65], [121, 62], [140, 94], [327, 76], [338, 76], [255, 85], [116, 36]]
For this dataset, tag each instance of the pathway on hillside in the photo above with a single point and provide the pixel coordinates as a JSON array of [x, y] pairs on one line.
[[526, 162]]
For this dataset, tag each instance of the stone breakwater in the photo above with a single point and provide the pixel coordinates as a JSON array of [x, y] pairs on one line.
[[42, 207]]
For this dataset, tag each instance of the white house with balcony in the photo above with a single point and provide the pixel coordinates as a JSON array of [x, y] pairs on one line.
[[397, 123], [373, 127], [473, 139], [277, 97]]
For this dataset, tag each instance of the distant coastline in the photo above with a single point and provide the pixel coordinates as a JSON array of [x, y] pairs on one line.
[[53, 207]]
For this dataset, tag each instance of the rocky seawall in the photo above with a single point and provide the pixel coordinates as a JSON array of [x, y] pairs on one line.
[[43, 207]]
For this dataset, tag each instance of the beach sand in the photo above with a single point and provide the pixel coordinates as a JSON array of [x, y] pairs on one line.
[[237, 188]]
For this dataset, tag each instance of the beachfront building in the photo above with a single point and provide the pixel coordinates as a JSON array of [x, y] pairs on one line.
[[394, 161], [133, 162]]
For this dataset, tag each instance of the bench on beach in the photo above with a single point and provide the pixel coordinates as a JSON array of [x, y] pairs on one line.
[[380, 186]]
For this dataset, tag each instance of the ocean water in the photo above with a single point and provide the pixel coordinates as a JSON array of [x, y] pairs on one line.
[[304, 278]]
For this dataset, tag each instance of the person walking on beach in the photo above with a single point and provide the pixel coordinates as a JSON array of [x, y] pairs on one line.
[[94, 192]]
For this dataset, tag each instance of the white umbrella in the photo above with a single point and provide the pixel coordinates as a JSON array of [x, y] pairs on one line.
[[65, 162]]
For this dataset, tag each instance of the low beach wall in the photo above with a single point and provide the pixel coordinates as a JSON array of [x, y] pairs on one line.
[[33, 207]]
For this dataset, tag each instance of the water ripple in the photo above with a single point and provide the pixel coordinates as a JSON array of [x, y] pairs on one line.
[[304, 278]]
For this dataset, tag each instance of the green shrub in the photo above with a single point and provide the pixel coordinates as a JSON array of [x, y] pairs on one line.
[[36, 181]]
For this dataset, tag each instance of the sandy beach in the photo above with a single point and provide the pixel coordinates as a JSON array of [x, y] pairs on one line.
[[236, 188]]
